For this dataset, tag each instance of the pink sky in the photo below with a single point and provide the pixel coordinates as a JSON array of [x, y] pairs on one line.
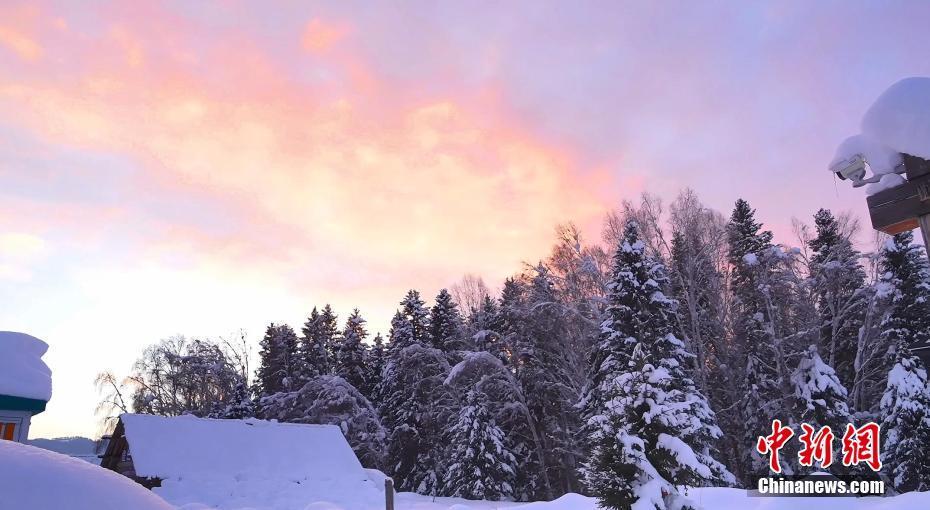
[[202, 167]]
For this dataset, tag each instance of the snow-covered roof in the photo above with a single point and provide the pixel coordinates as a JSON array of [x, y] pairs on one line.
[[22, 371], [36, 479], [186, 446]]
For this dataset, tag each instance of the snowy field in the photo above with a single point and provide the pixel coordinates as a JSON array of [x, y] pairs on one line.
[[35, 479]]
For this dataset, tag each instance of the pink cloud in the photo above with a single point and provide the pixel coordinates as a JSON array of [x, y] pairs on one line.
[[341, 187]]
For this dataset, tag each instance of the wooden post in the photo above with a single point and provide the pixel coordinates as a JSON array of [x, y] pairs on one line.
[[388, 494]]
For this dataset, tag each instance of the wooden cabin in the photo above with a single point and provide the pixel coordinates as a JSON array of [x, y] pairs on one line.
[[152, 449]]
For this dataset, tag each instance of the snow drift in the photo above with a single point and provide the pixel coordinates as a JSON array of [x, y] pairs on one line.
[[22, 371], [35, 479]]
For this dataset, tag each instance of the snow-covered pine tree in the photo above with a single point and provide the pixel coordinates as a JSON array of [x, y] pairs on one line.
[[820, 398], [414, 310], [651, 429], [375, 360], [819, 401], [329, 334], [481, 465], [481, 325], [905, 424], [509, 319], [410, 324], [906, 272], [313, 358], [751, 353], [838, 281], [401, 334], [350, 353], [414, 401], [316, 343], [278, 366], [543, 373], [331, 400], [445, 324], [240, 405], [482, 371]]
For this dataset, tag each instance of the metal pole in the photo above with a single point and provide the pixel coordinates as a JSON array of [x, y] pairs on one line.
[[388, 494]]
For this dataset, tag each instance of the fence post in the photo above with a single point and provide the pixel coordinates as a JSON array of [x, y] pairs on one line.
[[388, 494]]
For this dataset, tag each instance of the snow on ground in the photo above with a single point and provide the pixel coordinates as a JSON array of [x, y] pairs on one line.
[[35, 479], [22, 371], [77, 447]]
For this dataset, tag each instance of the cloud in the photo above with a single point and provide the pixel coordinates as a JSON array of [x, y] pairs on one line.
[[325, 181], [319, 36]]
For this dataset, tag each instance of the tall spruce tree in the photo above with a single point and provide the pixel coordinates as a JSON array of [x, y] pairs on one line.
[[278, 362], [905, 424], [412, 411], [651, 429], [819, 401], [410, 324], [313, 349], [481, 465], [375, 360], [751, 352], [445, 324], [906, 273], [350, 354], [839, 286]]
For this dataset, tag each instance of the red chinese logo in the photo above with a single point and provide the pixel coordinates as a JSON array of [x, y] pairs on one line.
[[774, 442], [817, 446], [859, 445]]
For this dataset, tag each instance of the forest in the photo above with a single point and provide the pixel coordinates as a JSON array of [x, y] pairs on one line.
[[626, 367]]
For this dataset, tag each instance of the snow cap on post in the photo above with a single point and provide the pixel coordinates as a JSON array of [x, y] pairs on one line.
[[900, 117], [22, 372]]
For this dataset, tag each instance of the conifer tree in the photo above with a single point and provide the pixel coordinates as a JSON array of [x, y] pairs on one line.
[[757, 393], [401, 334], [543, 373], [838, 281], [905, 424], [350, 354], [239, 406], [278, 366], [651, 429], [906, 274], [445, 324], [313, 349], [481, 465], [414, 310], [820, 398], [329, 335], [412, 410], [375, 360], [331, 400]]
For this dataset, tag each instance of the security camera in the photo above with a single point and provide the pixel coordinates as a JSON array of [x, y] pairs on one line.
[[852, 168]]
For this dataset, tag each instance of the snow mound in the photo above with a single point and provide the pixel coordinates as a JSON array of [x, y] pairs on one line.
[[22, 371], [35, 479], [900, 117]]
